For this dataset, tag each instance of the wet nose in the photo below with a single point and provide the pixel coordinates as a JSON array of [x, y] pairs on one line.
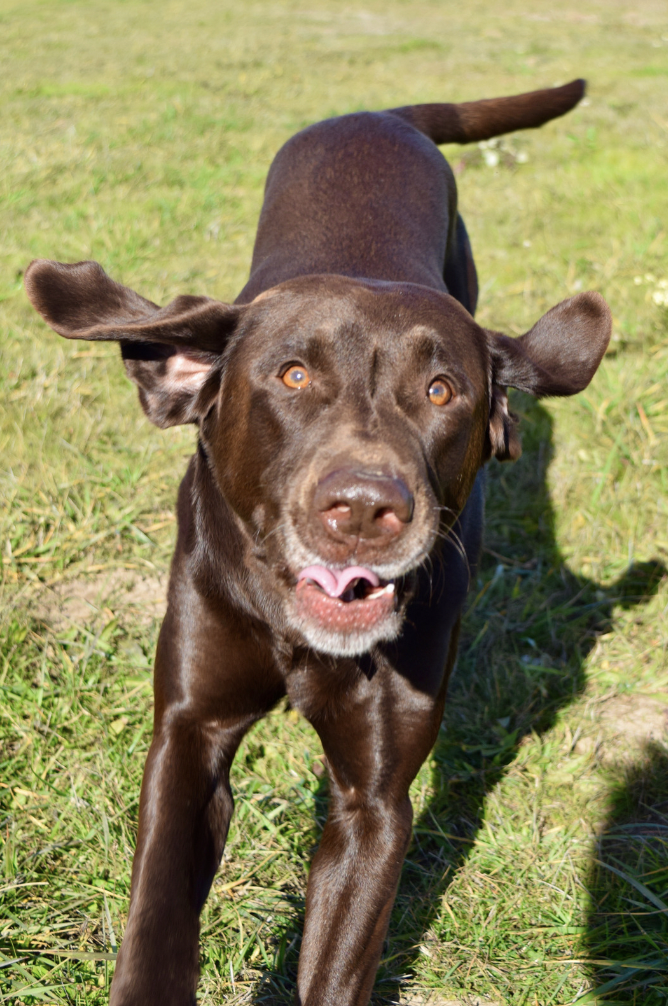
[[362, 504]]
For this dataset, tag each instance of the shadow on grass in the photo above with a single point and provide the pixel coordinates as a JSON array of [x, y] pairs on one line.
[[529, 626], [628, 885]]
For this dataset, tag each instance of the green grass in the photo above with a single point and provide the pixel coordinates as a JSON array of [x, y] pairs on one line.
[[139, 134]]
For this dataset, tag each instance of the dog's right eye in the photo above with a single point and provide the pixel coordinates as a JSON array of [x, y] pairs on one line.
[[439, 391], [296, 377]]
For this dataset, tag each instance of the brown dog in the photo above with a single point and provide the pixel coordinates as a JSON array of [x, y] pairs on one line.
[[331, 519]]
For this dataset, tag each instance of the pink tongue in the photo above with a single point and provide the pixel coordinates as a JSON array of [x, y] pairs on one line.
[[335, 582]]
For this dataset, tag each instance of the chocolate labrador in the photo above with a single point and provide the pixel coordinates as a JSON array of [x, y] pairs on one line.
[[330, 522]]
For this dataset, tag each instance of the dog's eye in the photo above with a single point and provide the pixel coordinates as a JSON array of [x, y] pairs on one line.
[[296, 376], [439, 392]]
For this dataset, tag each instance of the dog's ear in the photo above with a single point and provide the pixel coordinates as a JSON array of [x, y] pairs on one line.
[[558, 356], [171, 353]]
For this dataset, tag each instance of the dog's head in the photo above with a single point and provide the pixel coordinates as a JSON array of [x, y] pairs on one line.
[[345, 421]]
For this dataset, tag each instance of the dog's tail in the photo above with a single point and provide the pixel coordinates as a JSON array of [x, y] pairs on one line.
[[480, 120]]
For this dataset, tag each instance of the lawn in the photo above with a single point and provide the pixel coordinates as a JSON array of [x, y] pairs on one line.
[[139, 134]]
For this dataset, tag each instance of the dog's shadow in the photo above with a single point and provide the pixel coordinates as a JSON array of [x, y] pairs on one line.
[[529, 626]]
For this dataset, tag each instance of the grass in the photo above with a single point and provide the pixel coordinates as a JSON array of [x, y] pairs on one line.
[[139, 134]]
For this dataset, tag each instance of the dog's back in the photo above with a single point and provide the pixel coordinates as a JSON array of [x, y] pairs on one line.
[[364, 195], [368, 195]]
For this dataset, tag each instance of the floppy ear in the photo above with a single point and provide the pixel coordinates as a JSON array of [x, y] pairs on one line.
[[561, 353], [171, 353], [558, 356]]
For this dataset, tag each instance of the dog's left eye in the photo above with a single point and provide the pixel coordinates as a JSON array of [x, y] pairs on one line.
[[440, 392], [296, 376]]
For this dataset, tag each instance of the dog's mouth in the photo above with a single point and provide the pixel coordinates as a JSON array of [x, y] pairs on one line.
[[344, 600]]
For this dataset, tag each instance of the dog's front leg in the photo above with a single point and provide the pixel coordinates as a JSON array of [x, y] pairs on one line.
[[375, 743], [185, 810], [211, 685], [351, 891]]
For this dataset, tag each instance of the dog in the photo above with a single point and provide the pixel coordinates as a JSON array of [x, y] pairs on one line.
[[330, 521]]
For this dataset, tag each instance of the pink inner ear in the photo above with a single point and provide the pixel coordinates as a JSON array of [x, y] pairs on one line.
[[187, 373]]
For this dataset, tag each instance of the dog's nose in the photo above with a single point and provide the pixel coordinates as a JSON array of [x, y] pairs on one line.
[[362, 504]]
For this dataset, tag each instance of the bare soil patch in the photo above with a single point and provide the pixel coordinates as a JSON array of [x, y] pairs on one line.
[[120, 592], [436, 1000], [622, 724], [635, 719]]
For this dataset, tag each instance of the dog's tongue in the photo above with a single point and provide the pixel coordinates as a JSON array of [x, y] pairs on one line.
[[335, 582]]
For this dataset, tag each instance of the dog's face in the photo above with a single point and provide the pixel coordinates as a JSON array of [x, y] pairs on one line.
[[345, 421], [348, 430]]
